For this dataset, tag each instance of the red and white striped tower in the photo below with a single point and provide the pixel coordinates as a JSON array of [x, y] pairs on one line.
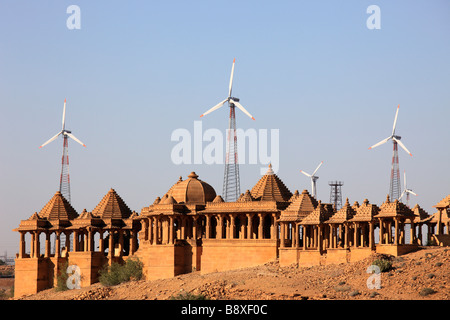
[[394, 186], [231, 184], [64, 184]]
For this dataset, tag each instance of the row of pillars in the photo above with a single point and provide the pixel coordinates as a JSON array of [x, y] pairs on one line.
[[165, 229], [323, 236], [355, 234], [83, 240]]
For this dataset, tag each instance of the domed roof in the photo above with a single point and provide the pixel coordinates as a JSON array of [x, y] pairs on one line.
[[192, 191]]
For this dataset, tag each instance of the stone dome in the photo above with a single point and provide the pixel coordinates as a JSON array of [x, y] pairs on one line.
[[192, 191]]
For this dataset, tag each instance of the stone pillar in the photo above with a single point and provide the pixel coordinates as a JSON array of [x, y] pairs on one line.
[[37, 245], [120, 243], [155, 230], [208, 227], [58, 244], [111, 243], [232, 226], [32, 244], [304, 238], [439, 222], [67, 244], [90, 240], [132, 242], [345, 244], [101, 242], [371, 235], [260, 226], [412, 234], [381, 231], [355, 234], [171, 233], [249, 226], [419, 234], [273, 227], [389, 232], [22, 245], [319, 238], [82, 246], [396, 232], [75, 240], [283, 234], [219, 232], [47, 244], [331, 236], [292, 227], [144, 224]]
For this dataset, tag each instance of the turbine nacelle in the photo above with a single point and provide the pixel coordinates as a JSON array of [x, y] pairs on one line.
[[395, 138], [233, 102], [63, 132]]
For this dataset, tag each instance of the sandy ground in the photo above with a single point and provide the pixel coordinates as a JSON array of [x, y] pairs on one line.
[[411, 273]]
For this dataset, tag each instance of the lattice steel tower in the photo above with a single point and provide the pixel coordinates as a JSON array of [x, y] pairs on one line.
[[394, 186], [231, 182], [336, 194], [64, 183]]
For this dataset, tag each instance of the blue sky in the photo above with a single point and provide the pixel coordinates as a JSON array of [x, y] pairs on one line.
[[138, 70]]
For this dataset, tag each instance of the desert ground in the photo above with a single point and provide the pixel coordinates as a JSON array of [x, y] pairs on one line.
[[420, 275]]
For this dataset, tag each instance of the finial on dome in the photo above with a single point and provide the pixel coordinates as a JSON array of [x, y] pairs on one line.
[[193, 175], [269, 170]]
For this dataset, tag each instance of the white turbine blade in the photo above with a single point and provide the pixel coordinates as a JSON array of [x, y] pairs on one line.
[[73, 137], [403, 193], [217, 106], [412, 192], [231, 79], [403, 146], [237, 104], [64, 115], [51, 139], [395, 120], [306, 174], [317, 168], [380, 143]]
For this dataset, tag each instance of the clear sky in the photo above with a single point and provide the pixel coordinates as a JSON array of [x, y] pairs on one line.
[[138, 70]]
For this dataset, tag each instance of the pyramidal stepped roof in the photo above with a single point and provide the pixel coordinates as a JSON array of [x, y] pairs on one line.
[[394, 209], [58, 208], [320, 214], [344, 214], [245, 197], [303, 203], [271, 188], [365, 212], [112, 207]]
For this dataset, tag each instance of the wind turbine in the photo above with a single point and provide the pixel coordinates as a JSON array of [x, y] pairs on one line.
[[406, 190], [64, 184], [231, 184], [394, 189], [313, 178]]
